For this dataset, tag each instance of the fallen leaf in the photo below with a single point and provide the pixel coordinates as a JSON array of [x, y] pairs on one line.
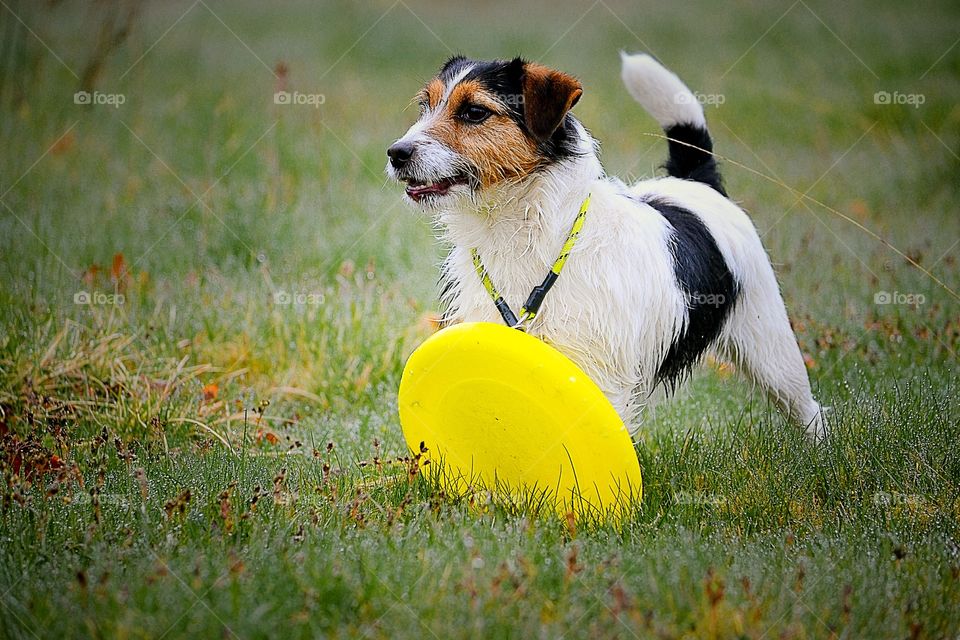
[[269, 436], [91, 274], [118, 271], [281, 71], [859, 209], [63, 144]]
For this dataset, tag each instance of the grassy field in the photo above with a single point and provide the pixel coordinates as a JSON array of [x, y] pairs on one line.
[[206, 301]]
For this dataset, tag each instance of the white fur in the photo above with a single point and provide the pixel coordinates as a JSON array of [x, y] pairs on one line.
[[617, 306], [660, 91]]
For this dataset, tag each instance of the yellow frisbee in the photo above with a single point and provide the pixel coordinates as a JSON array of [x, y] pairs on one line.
[[504, 409]]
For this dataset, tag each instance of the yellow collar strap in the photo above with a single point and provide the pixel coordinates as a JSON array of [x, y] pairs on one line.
[[529, 310]]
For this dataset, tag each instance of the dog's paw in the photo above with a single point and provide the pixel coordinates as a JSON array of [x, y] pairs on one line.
[[817, 428]]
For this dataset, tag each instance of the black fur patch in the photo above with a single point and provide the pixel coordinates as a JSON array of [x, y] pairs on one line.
[[688, 162], [709, 286], [452, 68], [505, 79]]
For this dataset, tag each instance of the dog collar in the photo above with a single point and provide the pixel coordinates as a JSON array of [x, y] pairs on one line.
[[530, 308]]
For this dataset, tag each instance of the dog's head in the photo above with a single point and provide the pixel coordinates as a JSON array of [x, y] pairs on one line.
[[482, 124]]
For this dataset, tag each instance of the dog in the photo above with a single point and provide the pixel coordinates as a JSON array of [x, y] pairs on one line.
[[662, 271]]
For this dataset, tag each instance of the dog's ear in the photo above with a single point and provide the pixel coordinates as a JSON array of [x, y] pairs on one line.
[[547, 97]]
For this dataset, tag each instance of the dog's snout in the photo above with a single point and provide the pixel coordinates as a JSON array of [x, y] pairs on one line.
[[400, 153]]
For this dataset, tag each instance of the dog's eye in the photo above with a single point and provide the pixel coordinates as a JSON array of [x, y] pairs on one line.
[[475, 114]]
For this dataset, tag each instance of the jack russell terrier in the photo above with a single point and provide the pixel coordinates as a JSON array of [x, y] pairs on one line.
[[655, 274]]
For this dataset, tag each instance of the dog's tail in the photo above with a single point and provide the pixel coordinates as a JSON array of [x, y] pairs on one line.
[[678, 111]]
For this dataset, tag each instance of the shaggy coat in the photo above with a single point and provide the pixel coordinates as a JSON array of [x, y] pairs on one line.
[[664, 270]]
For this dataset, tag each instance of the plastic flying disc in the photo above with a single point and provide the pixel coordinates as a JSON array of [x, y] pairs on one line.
[[501, 407]]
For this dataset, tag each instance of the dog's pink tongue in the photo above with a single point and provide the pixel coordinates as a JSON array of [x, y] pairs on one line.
[[419, 191]]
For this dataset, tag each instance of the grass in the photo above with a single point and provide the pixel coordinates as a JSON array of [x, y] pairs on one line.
[[198, 459]]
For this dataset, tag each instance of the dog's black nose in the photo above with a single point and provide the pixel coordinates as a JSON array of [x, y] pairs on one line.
[[399, 153]]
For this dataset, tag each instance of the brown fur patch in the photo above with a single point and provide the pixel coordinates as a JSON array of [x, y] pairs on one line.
[[547, 96], [433, 92], [497, 147]]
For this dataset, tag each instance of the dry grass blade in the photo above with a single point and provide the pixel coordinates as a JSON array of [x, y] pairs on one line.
[[207, 429]]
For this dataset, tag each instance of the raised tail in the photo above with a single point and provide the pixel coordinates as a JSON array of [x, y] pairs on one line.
[[678, 111]]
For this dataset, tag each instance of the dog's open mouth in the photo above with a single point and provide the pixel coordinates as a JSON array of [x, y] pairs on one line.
[[419, 190]]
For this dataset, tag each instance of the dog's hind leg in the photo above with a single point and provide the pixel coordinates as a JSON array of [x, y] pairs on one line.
[[760, 341]]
